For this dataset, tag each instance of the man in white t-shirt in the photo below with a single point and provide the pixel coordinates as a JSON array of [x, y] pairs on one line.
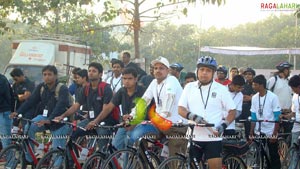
[[115, 80], [204, 101], [294, 83], [235, 88], [165, 90], [278, 84], [265, 106]]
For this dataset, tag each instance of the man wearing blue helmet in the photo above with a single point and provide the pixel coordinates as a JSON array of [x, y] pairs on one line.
[[176, 70], [205, 101]]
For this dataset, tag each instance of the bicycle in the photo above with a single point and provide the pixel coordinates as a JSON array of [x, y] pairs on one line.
[[97, 159], [139, 157], [293, 154], [14, 154], [230, 161], [262, 157], [58, 158]]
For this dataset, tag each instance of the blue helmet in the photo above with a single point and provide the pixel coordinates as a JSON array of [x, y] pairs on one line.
[[207, 61], [177, 66]]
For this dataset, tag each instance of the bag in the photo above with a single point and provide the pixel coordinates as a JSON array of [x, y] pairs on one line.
[[272, 88], [115, 113], [57, 89]]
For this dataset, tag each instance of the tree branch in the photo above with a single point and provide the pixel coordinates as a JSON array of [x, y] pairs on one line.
[[150, 9]]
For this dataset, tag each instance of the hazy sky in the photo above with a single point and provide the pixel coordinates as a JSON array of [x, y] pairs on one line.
[[234, 12]]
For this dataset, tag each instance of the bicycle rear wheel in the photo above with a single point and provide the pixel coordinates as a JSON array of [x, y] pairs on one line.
[[177, 162], [12, 156], [124, 159], [232, 162], [53, 159], [94, 161]]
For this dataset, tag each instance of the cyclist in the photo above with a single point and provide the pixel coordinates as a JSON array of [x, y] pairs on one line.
[[22, 88], [48, 107], [222, 76], [165, 90], [278, 84], [190, 77], [74, 85], [95, 103], [235, 88], [204, 101], [265, 106], [127, 63], [82, 81], [294, 83], [176, 70], [248, 92], [233, 72], [5, 110], [125, 97], [115, 80]]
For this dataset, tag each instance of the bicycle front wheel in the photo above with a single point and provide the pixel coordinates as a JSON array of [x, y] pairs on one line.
[[94, 161], [283, 149], [124, 159], [53, 159], [291, 159], [12, 156], [178, 162], [232, 162]]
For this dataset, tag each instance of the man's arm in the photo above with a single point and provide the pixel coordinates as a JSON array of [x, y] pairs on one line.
[[106, 110]]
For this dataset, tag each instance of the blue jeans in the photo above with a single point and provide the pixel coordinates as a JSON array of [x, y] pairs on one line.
[[120, 141], [5, 128], [293, 159], [142, 130], [58, 136]]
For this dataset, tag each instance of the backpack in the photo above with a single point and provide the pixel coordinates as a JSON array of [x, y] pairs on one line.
[[115, 113], [57, 89], [272, 88]]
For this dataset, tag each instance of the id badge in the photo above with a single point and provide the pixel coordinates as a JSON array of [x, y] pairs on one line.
[[159, 103], [165, 151], [45, 112], [91, 114]]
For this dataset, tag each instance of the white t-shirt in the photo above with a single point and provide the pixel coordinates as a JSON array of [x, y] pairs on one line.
[[282, 90], [115, 83], [166, 96], [217, 99], [296, 109], [269, 103], [238, 101]]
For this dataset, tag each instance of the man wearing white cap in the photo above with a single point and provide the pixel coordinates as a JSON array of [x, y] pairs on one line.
[[166, 91]]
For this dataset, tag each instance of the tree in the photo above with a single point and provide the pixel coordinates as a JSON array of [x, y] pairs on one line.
[[136, 15]]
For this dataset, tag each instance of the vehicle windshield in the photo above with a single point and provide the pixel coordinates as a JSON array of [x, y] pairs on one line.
[[33, 73]]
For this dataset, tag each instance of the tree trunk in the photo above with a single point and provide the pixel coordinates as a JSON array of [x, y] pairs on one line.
[[136, 29]]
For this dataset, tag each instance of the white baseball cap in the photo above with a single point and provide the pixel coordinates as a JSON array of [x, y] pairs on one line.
[[161, 60]]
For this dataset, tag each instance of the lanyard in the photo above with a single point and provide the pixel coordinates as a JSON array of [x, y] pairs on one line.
[[158, 94], [205, 104], [261, 108], [114, 86]]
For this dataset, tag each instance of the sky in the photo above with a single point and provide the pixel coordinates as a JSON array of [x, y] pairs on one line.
[[234, 12], [228, 15]]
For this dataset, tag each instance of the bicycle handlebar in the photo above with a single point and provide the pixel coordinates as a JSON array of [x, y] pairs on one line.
[[180, 124], [102, 125]]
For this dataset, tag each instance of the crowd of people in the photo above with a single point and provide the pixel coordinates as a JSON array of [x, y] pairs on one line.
[[198, 96]]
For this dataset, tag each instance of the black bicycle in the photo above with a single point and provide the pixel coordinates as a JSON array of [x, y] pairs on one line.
[[230, 159]]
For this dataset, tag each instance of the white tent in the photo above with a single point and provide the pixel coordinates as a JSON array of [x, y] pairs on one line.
[[250, 51]]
